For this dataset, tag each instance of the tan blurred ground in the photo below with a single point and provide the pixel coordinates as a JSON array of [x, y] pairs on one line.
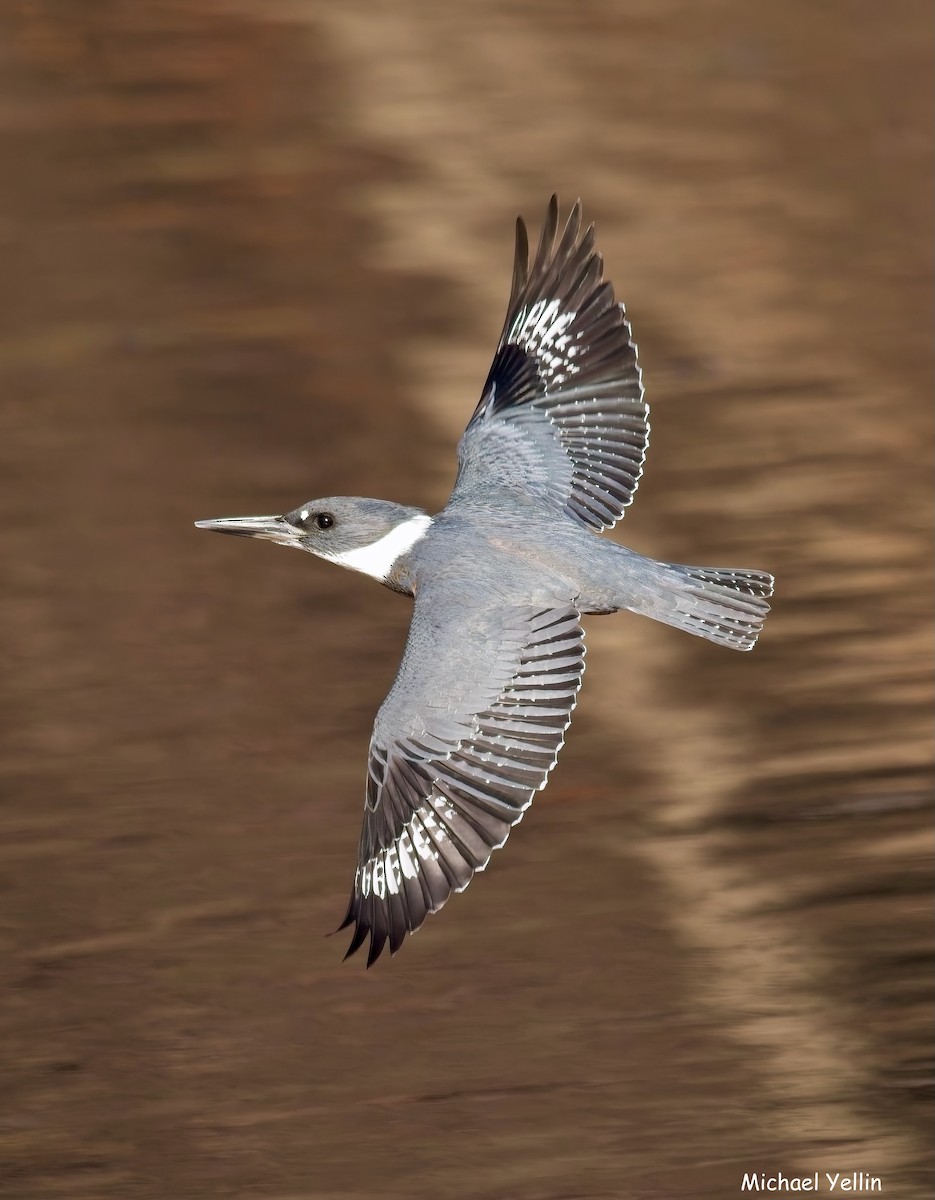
[[253, 253]]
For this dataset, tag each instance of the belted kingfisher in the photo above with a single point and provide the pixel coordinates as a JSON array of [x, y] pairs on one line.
[[475, 719]]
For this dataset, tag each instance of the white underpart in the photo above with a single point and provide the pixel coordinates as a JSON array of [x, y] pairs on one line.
[[378, 558]]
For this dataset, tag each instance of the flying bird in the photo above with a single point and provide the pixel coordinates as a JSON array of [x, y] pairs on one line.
[[501, 577]]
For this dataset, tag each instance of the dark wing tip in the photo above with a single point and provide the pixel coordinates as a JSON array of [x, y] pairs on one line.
[[377, 942], [520, 262], [547, 237], [545, 251], [360, 936], [383, 929], [398, 933], [379, 939], [521, 254], [348, 917]]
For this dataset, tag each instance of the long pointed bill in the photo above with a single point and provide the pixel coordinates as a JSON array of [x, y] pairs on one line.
[[274, 529]]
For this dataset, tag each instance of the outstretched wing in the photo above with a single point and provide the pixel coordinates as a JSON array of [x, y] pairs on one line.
[[464, 740], [562, 417]]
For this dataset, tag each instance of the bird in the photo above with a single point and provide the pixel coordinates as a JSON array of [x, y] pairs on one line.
[[501, 578]]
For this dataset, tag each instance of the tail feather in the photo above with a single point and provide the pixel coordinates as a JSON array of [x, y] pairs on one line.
[[722, 604]]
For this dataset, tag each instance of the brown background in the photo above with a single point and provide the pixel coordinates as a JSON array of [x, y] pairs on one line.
[[259, 252]]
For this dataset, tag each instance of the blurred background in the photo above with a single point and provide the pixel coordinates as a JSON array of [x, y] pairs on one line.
[[257, 252]]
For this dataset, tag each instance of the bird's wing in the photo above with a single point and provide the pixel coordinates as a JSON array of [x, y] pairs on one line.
[[466, 737], [562, 417]]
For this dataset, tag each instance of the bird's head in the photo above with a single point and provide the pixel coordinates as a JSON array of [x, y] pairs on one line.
[[365, 535]]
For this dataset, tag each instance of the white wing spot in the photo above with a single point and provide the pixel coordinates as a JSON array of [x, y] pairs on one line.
[[541, 330], [385, 871]]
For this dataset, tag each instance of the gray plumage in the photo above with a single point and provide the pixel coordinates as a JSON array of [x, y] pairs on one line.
[[475, 719]]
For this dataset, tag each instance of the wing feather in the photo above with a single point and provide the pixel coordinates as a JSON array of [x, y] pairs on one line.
[[444, 789], [566, 379]]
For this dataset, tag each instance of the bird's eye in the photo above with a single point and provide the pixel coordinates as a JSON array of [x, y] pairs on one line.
[[324, 520]]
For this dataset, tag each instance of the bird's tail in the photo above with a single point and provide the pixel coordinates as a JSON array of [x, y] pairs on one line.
[[723, 604]]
